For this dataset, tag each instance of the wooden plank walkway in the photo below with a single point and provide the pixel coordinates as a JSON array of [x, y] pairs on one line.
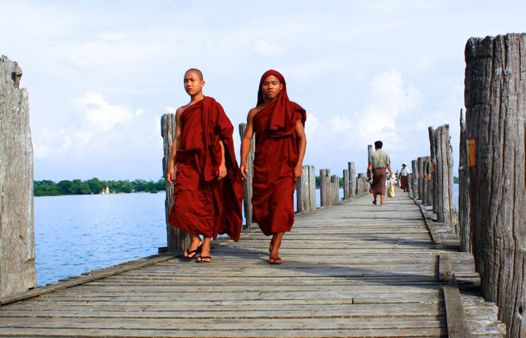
[[351, 270]]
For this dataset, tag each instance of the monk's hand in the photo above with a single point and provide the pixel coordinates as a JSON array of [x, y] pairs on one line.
[[222, 172], [170, 175], [244, 170], [298, 171]]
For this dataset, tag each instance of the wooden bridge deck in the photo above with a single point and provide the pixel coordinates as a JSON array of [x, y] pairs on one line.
[[351, 270]]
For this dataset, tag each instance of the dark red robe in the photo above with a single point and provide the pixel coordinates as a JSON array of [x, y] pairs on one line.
[[202, 203], [275, 158]]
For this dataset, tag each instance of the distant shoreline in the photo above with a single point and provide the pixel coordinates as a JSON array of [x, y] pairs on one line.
[[95, 186]]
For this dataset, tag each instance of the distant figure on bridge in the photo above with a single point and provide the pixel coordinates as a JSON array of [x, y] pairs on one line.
[[404, 178], [208, 186], [379, 162], [280, 147]]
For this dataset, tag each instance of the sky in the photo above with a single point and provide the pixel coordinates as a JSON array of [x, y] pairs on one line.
[[100, 74]]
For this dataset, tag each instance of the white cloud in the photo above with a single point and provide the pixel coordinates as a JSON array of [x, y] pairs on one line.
[[101, 115]]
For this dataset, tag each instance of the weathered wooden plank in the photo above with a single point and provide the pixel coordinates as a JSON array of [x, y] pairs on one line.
[[85, 279], [363, 274], [205, 332], [456, 319]]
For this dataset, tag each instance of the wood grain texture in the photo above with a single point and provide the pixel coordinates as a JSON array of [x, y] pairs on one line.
[[17, 229], [457, 325], [463, 190], [495, 100], [247, 200], [352, 179], [325, 187], [350, 270]]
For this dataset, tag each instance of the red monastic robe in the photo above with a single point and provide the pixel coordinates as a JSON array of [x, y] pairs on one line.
[[202, 203], [275, 158]]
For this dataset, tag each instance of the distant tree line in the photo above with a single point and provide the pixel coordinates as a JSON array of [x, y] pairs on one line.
[[95, 186]]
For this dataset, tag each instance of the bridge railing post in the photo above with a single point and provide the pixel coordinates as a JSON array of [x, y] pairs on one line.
[[302, 191], [312, 188], [247, 200], [495, 101], [352, 179], [17, 224], [177, 240], [325, 187], [346, 194], [335, 189]]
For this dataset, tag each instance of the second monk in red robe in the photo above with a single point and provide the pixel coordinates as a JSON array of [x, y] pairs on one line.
[[280, 147], [208, 186]]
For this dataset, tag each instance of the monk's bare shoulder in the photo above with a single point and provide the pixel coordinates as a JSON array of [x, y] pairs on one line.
[[252, 112], [181, 110]]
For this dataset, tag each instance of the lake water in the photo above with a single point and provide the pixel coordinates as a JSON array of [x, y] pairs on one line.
[[76, 234]]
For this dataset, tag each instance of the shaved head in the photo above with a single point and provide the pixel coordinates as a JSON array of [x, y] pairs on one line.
[[197, 71]]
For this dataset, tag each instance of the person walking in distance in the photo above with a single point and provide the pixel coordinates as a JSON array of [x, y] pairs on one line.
[[379, 164]]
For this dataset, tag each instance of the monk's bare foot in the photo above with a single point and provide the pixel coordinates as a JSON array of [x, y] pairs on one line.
[[374, 202], [275, 260], [203, 259], [195, 246]]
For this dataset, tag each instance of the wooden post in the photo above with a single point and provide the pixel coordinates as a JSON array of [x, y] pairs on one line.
[[303, 191], [420, 178], [434, 163], [352, 179], [325, 187], [495, 101], [177, 240], [443, 195], [247, 200], [335, 190], [17, 225], [429, 179], [463, 190], [312, 188], [346, 186], [414, 180], [361, 187]]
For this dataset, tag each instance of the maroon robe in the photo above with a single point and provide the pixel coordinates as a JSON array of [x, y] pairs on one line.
[[275, 158], [202, 203]]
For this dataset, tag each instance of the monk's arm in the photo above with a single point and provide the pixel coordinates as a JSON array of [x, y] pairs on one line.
[[222, 168], [302, 147], [177, 139], [246, 142]]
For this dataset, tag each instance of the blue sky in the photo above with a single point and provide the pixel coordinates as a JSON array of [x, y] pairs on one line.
[[100, 74]]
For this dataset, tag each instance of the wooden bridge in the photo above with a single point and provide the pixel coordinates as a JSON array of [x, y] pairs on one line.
[[351, 270]]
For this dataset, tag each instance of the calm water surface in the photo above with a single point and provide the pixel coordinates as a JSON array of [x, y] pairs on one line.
[[76, 234]]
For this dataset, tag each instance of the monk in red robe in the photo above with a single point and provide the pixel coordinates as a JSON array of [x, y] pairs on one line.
[[280, 147], [208, 188]]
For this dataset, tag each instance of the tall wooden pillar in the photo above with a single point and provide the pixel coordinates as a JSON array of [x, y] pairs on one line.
[[177, 240], [17, 229], [352, 179], [247, 200], [495, 100]]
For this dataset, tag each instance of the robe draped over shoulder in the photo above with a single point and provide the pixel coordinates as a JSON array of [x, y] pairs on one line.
[[202, 203], [275, 158]]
